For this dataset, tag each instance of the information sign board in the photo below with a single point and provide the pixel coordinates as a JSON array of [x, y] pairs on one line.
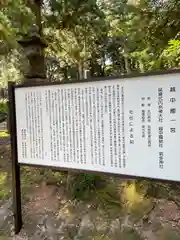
[[129, 127]]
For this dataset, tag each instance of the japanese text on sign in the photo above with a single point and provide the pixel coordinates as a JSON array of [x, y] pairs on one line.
[[114, 126]]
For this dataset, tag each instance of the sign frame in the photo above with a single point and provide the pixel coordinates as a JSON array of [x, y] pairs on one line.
[[16, 186]]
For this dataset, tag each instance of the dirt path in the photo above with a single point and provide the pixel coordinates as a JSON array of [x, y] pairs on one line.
[[5, 140], [48, 212], [49, 215]]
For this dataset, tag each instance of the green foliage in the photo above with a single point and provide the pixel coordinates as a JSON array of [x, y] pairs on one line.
[[101, 237], [168, 233], [84, 184], [36, 175], [4, 134], [15, 18], [3, 188], [105, 37], [4, 193], [12, 65], [128, 234], [133, 35], [3, 110], [3, 106], [171, 55]]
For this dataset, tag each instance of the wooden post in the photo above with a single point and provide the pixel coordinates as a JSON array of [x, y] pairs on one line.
[[16, 185], [8, 118]]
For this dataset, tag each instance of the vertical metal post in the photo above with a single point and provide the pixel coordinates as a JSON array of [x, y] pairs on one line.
[[16, 185]]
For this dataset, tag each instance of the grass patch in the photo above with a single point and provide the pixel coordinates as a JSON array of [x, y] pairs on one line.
[[4, 193], [169, 234], [128, 234], [4, 185], [135, 201], [4, 134], [83, 185], [31, 175], [3, 177], [100, 237]]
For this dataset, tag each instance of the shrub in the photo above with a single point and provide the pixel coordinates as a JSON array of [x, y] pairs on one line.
[[84, 184], [3, 110]]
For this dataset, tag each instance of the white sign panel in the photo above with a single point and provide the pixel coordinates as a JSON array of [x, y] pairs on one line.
[[117, 126]]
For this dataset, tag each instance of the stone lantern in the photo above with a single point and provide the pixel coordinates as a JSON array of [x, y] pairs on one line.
[[34, 50], [33, 46]]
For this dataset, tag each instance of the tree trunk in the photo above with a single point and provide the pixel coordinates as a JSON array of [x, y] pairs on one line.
[[80, 71], [103, 66], [141, 66], [127, 65], [65, 73], [126, 60]]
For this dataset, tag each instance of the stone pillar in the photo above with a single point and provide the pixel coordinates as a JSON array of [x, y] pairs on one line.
[[34, 51], [34, 45]]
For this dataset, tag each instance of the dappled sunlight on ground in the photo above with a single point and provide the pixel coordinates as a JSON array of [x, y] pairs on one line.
[[118, 210]]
